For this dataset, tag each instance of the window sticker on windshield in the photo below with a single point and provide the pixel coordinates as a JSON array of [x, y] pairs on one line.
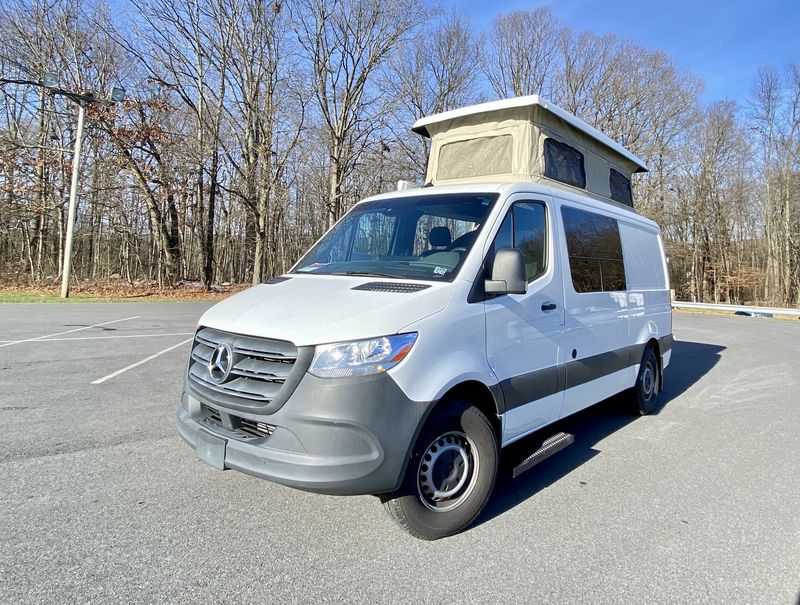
[[440, 270], [313, 267]]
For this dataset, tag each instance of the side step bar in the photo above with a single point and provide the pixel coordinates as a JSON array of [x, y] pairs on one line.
[[552, 445]]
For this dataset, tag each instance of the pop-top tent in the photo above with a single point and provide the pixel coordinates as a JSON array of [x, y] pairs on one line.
[[526, 139]]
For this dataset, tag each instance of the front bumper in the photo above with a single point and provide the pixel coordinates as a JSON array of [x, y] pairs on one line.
[[341, 436]]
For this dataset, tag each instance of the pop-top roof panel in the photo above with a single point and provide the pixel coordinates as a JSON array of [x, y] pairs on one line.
[[496, 111]]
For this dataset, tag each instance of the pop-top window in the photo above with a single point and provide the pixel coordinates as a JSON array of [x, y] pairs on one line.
[[620, 188], [564, 163], [475, 157], [595, 251]]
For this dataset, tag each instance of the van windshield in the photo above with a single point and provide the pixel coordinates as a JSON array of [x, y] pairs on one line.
[[422, 237]]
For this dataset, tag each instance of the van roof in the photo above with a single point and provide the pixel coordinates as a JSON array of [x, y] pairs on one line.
[[421, 125]]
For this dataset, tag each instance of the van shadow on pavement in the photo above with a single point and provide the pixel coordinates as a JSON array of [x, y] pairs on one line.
[[690, 362]]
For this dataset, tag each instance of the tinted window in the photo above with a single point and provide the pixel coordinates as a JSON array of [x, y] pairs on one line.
[[529, 237], [620, 188], [595, 251], [564, 163], [524, 228]]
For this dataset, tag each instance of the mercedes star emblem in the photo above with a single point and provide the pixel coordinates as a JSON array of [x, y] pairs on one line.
[[221, 363]]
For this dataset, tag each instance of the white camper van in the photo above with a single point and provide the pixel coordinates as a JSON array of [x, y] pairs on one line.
[[431, 327]]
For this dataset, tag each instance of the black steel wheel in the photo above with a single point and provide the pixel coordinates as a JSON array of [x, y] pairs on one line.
[[648, 384], [450, 476]]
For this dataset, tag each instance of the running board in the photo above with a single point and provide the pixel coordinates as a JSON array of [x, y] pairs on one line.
[[552, 445]]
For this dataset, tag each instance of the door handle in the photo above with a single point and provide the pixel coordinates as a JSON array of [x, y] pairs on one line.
[[549, 306]]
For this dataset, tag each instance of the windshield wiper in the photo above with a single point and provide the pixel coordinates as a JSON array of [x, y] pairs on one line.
[[366, 274]]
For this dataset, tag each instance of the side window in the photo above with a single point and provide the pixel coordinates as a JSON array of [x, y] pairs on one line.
[[524, 228], [505, 236], [564, 163], [620, 187], [595, 251], [530, 232]]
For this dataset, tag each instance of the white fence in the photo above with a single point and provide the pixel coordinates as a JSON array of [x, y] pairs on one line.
[[740, 309]]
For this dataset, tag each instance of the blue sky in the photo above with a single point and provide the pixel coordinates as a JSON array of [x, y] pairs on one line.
[[723, 43]]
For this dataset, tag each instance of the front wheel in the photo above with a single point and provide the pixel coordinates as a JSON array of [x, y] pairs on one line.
[[450, 475]]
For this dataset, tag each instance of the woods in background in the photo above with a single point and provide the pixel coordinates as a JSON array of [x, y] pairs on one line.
[[251, 126]]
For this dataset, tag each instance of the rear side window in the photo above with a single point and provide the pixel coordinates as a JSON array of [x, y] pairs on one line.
[[564, 163], [620, 186], [595, 251]]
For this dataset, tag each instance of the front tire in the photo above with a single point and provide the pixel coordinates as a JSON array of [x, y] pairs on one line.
[[450, 476]]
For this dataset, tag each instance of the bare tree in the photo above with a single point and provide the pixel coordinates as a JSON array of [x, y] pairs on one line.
[[345, 41], [520, 52], [266, 118], [436, 71]]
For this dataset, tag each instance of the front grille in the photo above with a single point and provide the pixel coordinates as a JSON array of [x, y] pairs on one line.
[[259, 372]]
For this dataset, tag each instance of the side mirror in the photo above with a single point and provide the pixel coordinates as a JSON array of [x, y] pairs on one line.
[[508, 273]]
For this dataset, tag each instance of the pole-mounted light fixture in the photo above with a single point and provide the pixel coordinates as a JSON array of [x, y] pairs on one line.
[[117, 94], [50, 80]]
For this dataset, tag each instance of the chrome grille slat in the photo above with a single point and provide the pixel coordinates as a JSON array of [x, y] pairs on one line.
[[274, 357], [202, 353], [261, 367], [237, 388], [258, 376], [269, 370], [278, 348], [200, 339]]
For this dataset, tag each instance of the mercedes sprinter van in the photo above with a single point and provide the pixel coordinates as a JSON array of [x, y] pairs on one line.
[[431, 327]]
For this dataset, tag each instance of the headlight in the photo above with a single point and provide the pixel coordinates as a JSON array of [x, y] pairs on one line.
[[361, 357]]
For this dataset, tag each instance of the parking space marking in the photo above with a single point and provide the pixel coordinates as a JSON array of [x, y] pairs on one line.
[[105, 323], [138, 363], [107, 337]]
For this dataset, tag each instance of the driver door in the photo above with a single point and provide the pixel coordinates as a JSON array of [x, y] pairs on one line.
[[523, 331]]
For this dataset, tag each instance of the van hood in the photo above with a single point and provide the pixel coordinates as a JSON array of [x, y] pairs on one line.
[[316, 309]]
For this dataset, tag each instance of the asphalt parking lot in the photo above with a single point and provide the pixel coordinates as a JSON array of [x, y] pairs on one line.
[[101, 501]]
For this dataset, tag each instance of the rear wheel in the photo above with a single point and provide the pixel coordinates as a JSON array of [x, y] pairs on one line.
[[450, 475], [644, 396]]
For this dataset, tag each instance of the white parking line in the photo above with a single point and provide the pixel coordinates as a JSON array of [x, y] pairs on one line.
[[138, 363], [108, 337], [105, 323]]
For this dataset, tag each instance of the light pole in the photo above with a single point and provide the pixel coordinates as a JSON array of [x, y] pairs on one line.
[[83, 101], [73, 201]]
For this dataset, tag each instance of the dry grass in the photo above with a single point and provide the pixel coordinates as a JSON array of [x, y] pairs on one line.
[[115, 291]]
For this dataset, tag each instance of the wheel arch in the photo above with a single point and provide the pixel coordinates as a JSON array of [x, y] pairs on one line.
[[479, 395]]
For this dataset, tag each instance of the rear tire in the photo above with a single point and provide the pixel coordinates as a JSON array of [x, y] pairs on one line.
[[644, 395], [450, 475]]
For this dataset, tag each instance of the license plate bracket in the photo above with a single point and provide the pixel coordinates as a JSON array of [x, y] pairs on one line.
[[211, 449]]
